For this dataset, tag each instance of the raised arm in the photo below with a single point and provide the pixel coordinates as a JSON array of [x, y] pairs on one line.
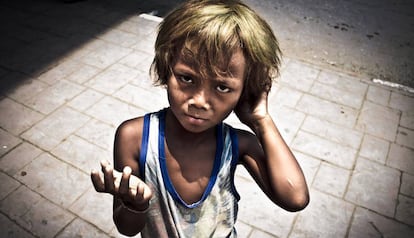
[[268, 158], [131, 194]]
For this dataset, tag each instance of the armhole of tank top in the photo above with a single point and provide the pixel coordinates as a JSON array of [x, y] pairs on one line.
[[144, 146], [234, 160]]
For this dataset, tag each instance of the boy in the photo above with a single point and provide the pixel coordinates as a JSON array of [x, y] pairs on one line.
[[178, 164]]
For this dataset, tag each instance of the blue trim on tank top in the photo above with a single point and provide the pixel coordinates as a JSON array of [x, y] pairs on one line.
[[166, 178], [144, 146], [235, 159]]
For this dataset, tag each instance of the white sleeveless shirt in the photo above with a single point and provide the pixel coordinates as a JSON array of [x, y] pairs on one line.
[[169, 216]]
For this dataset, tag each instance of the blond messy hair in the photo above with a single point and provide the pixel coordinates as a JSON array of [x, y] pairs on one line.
[[206, 33]]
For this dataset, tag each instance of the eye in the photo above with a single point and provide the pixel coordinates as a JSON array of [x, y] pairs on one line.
[[185, 79], [223, 89]]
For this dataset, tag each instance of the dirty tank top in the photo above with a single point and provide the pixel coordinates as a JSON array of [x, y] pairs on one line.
[[169, 216]]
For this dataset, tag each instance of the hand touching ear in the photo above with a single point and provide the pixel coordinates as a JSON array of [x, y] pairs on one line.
[[125, 186], [251, 110]]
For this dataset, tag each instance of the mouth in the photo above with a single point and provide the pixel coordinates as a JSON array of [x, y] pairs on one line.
[[194, 119]]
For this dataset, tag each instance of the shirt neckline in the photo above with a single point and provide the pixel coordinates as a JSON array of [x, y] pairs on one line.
[[164, 171]]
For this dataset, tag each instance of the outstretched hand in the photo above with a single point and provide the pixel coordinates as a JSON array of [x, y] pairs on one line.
[[125, 186], [251, 111]]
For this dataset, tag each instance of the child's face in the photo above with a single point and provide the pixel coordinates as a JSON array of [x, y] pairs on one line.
[[201, 103]]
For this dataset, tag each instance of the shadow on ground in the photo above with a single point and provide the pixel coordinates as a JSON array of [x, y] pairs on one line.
[[36, 35]]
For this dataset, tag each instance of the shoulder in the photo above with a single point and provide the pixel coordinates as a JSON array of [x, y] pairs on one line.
[[127, 144], [130, 129], [247, 142]]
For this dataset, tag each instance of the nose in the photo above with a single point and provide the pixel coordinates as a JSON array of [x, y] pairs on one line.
[[200, 99]]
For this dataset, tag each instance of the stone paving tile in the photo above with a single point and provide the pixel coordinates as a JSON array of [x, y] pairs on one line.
[[258, 211], [18, 158], [343, 82], [374, 186], [143, 44], [335, 113], [402, 102], [45, 219], [287, 121], [325, 216], [86, 99], [80, 228], [10, 78], [105, 55], [401, 158], [145, 81], [76, 55], [338, 134], [243, 229], [350, 99], [39, 174], [374, 148], [10, 229], [7, 142], [138, 26], [22, 199], [309, 166], [243, 174], [405, 137], [95, 208], [234, 121], [405, 210], [56, 127], [379, 121], [131, 25], [112, 78], [98, 133], [369, 224], [407, 119], [137, 60], [113, 111], [54, 96], [332, 179], [28, 89], [407, 185], [261, 234], [12, 110], [145, 65], [378, 95], [119, 37], [298, 75], [325, 149], [81, 154], [83, 74], [139, 97], [7, 185], [62, 70], [284, 96]]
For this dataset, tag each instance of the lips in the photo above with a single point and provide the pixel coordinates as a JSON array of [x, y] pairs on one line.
[[195, 119]]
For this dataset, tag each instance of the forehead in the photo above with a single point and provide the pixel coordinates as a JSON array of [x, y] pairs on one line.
[[227, 66]]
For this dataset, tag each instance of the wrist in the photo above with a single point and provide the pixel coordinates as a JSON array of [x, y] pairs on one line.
[[261, 125], [141, 209]]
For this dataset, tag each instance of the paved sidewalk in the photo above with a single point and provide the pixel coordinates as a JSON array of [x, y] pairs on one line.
[[67, 82]]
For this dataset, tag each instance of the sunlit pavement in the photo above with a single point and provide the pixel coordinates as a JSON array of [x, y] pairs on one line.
[[70, 73]]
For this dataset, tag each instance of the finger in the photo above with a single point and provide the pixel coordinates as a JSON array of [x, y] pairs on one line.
[[97, 181], [108, 177], [124, 185], [143, 194], [137, 193]]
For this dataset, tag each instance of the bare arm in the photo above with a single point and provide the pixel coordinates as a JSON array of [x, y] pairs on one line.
[[268, 158], [131, 195]]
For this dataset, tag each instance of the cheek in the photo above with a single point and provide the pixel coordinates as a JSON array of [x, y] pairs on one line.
[[175, 95]]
